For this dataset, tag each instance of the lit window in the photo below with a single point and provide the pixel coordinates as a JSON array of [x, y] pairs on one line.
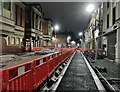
[[17, 40], [12, 40]]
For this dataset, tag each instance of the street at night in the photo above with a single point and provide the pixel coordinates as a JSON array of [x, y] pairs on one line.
[[60, 46]]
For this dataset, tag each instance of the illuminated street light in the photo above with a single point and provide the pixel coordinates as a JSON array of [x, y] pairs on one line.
[[56, 28], [68, 38], [81, 40], [90, 7], [80, 33]]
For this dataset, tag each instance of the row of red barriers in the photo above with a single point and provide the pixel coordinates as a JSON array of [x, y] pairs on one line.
[[36, 48], [44, 48], [28, 76], [62, 49]]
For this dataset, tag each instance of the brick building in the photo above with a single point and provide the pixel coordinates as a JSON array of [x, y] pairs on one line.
[[47, 29], [60, 41]]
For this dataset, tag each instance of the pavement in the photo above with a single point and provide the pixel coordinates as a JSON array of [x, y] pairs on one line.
[[10, 60], [77, 77], [113, 71]]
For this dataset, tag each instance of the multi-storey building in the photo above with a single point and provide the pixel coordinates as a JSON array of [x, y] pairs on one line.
[[21, 26], [93, 31], [33, 31], [47, 29], [61, 41], [111, 16], [103, 30], [12, 21]]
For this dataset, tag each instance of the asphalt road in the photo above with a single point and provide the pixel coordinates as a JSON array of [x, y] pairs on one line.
[[77, 77]]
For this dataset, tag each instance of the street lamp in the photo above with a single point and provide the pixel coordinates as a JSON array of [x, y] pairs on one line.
[[90, 8], [56, 28], [80, 33], [81, 40], [68, 40]]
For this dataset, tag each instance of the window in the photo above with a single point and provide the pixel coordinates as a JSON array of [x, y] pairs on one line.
[[114, 15], [16, 14], [108, 21], [17, 40], [40, 25], [108, 4], [12, 40], [19, 16], [32, 19], [8, 40], [23, 18], [7, 5], [36, 21]]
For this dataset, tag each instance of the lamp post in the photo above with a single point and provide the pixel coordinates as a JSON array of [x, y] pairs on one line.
[[68, 40], [82, 40], [90, 8], [56, 28]]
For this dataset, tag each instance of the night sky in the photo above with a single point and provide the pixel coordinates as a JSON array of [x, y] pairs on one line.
[[69, 16]]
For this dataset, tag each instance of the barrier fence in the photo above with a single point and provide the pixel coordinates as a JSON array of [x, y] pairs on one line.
[[28, 76], [61, 49]]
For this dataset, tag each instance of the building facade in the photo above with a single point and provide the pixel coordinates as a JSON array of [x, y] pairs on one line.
[[33, 31], [47, 29], [12, 21], [60, 41], [103, 30], [94, 30], [21, 26], [111, 29]]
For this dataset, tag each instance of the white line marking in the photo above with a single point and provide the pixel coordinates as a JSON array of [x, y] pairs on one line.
[[95, 77]]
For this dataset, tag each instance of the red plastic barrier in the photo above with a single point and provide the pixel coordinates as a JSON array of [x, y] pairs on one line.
[[28, 76]]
